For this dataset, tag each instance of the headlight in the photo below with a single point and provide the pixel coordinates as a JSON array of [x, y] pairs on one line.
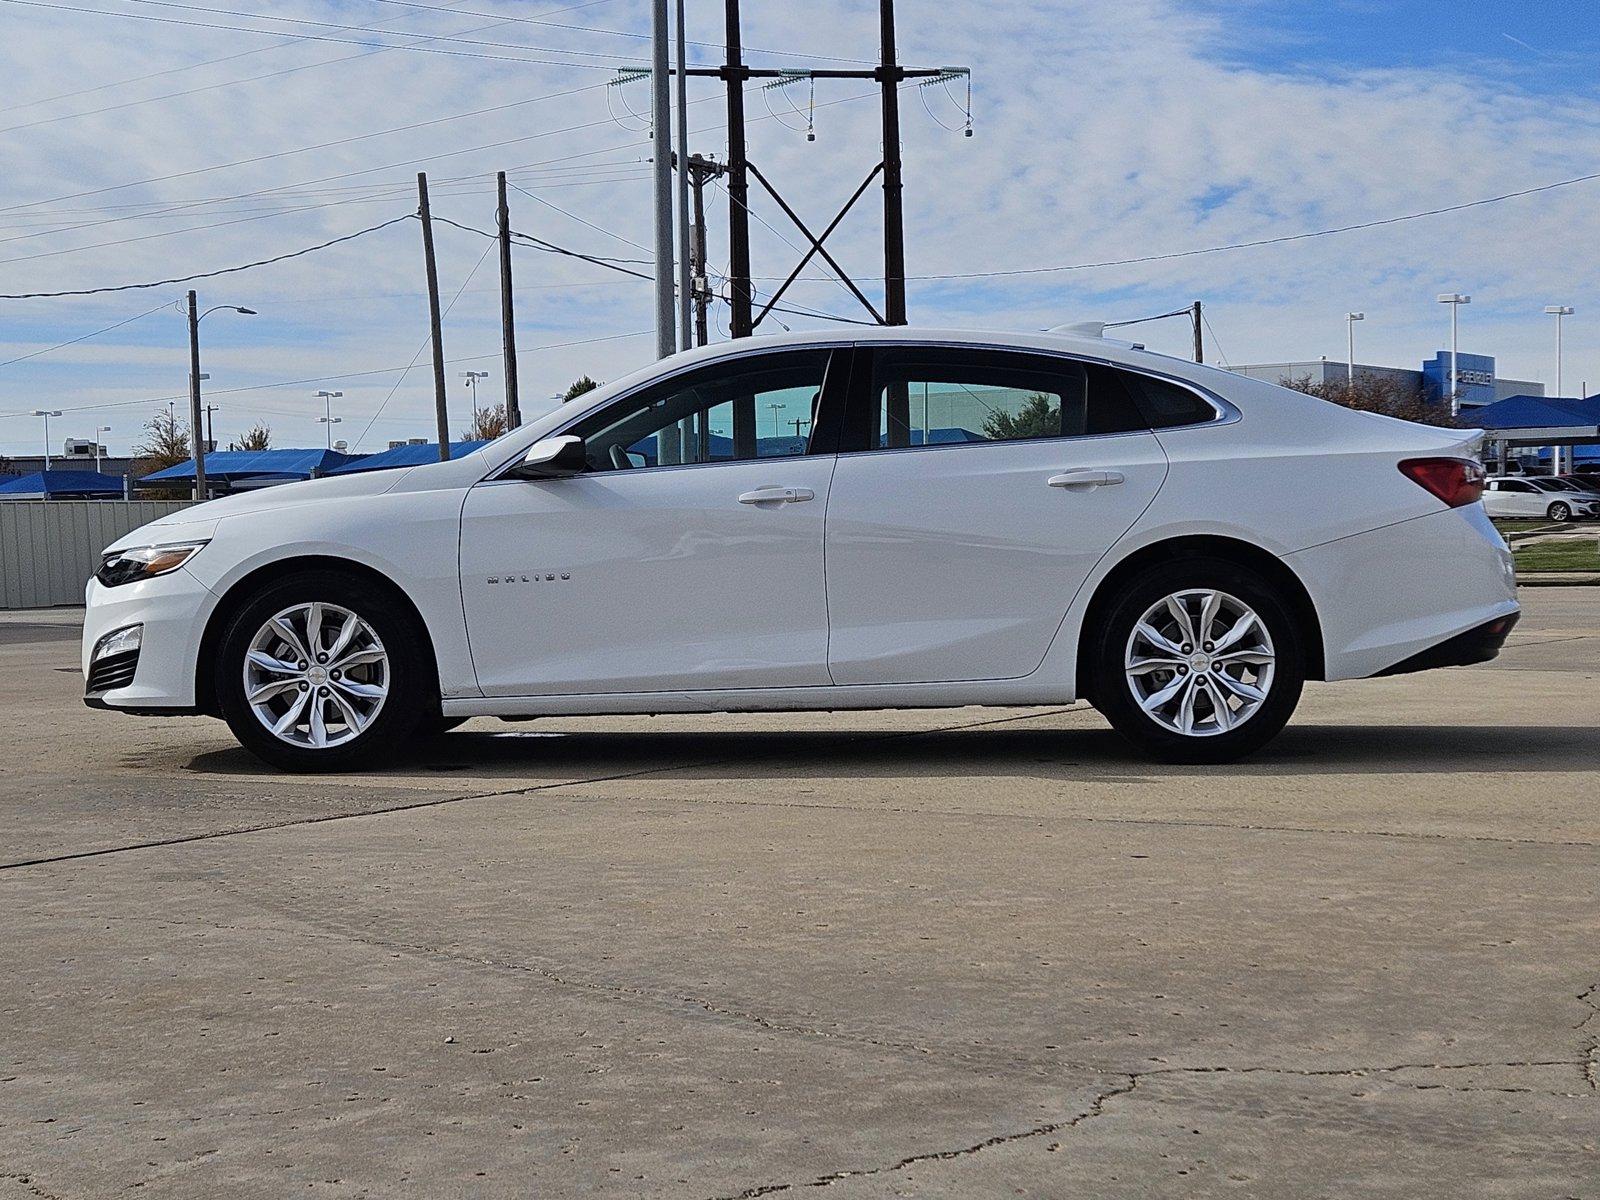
[[144, 562]]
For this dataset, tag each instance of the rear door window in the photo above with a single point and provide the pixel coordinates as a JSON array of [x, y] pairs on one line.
[[944, 395]]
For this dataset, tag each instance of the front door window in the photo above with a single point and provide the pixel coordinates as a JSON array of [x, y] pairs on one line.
[[731, 412]]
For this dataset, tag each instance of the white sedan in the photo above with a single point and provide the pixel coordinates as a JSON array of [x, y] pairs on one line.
[[1537, 497], [895, 518]]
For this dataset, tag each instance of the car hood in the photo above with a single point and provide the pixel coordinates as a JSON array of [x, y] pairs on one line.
[[199, 522]]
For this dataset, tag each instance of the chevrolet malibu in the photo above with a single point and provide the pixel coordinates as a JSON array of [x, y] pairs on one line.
[[896, 518]]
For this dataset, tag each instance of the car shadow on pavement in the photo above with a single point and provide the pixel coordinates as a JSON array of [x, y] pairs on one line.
[[526, 755]]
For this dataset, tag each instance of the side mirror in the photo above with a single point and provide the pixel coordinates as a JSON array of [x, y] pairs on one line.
[[552, 458]]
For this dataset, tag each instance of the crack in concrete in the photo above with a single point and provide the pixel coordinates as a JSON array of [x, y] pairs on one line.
[[440, 801], [1591, 1046], [1132, 1080], [26, 1180], [1096, 1108], [1057, 815], [670, 1001]]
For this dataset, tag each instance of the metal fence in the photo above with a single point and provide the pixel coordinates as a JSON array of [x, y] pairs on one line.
[[49, 548]]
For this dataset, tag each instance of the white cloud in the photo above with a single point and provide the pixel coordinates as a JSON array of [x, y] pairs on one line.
[[1103, 131]]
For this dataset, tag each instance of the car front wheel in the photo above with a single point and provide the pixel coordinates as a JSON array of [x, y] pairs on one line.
[[1559, 512], [1198, 661], [319, 673]]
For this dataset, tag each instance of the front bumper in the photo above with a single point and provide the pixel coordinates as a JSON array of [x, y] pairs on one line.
[[173, 610]]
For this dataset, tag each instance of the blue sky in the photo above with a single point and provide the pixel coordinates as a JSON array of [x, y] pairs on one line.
[[1544, 47], [1103, 132]]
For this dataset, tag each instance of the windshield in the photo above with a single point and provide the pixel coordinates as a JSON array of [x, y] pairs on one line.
[[1552, 485]]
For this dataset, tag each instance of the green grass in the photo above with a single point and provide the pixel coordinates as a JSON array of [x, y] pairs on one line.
[[1575, 555], [1510, 525]]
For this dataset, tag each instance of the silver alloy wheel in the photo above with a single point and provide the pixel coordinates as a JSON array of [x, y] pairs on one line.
[[1200, 662], [316, 675]]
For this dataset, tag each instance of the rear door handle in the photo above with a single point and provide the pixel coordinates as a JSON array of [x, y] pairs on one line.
[[1085, 479], [777, 495]]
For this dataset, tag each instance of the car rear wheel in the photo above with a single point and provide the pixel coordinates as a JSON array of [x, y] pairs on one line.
[[1199, 660], [319, 673], [1559, 512]]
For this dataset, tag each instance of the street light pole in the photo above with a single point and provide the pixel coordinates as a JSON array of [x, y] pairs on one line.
[[472, 378], [1558, 311], [1455, 300], [195, 444], [1350, 320], [196, 432], [47, 413], [328, 418], [98, 430]]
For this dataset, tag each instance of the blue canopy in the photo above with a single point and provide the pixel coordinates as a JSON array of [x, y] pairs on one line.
[[405, 456], [245, 464], [60, 483], [1536, 412]]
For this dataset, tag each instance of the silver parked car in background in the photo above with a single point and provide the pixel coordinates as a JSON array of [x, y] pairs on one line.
[[1528, 497]]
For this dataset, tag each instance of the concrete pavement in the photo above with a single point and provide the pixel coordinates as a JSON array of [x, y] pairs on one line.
[[956, 953]]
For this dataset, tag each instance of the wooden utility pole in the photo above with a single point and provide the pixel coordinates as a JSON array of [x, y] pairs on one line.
[[508, 327], [739, 295], [700, 170], [197, 433], [894, 226], [1199, 347], [435, 320]]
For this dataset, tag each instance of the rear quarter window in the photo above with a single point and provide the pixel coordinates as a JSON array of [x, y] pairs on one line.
[[1166, 404]]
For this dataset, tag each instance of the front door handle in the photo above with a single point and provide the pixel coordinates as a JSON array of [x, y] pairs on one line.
[[777, 495], [1085, 479]]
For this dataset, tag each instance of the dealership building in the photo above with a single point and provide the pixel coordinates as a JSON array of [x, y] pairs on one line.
[[1475, 372]]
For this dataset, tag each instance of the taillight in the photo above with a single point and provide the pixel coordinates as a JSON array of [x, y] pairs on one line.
[[1456, 481]]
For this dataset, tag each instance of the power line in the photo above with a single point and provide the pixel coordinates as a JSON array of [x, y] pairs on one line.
[[84, 337], [580, 220], [1177, 312], [1271, 241], [360, 137], [211, 62], [410, 162], [327, 62], [425, 342], [261, 262], [284, 383], [609, 64], [627, 33], [386, 195], [315, 37]]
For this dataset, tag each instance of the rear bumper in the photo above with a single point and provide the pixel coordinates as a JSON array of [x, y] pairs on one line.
[[1477, 645], [1393, 594]]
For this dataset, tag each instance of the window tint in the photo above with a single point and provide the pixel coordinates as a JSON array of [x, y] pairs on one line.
[[1517, 485], [755, 408], [1165, 404], [939, 396]]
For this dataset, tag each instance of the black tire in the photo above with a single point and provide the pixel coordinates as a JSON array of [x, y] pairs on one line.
[[412, 695], [1112, 691], [1559, 512]]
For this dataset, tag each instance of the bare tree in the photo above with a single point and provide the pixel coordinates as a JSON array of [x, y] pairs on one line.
[[1377, 394], [487, 424], [8, 466], [257, 437], [578, 387]]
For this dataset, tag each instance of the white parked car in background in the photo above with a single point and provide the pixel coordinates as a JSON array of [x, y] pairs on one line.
[[894, 518], [1530, 496]]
